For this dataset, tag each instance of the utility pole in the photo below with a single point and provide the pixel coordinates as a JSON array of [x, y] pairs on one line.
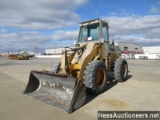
[[26, 50], [36, 50]]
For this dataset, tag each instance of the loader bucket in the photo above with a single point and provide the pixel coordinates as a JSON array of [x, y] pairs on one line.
[[58, 90]]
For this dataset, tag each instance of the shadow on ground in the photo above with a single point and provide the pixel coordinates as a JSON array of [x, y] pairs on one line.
[[111, 83]]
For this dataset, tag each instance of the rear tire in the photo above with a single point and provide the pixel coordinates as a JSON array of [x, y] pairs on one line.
[[120, 70], [95, 77], [56, 67]]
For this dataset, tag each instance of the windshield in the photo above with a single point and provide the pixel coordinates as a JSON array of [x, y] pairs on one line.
[[89, 33]]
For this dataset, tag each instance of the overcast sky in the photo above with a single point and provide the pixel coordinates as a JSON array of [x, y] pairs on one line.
[[55, 23]]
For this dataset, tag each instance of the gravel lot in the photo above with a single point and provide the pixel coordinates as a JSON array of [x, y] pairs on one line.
[[141, 91]]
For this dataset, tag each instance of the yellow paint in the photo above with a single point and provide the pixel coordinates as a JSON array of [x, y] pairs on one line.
[[88, 59], [70, 57], [75, 67]]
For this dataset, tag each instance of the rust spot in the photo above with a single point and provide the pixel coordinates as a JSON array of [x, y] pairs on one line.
[[68, 104], [58, 100], [55, 99]]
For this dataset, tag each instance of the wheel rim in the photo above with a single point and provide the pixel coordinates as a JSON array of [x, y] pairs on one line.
[[124, 70], [100, 76]]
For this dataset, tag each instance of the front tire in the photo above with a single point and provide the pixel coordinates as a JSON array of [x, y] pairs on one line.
[[120, 70], [95, 78]]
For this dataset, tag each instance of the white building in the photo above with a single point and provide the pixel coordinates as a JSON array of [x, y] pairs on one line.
[[129, 50], [54, 51], [128, 47], [152, 50]]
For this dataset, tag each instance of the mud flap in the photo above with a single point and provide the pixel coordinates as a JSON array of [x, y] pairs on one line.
[[58, 90]]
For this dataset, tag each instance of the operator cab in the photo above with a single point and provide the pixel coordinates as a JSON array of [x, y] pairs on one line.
[[93, 30]]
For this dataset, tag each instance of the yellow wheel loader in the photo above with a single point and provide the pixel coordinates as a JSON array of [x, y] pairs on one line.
[[23, 56], [83, 67]]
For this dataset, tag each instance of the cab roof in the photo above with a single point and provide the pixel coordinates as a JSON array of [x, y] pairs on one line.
[[97, 20]]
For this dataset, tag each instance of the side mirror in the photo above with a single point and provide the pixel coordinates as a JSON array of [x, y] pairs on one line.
[[90, 38], [75, 43], [101, 40]]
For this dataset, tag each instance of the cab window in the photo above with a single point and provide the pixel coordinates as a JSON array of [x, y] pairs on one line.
[[104, 32], [89, 33]]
